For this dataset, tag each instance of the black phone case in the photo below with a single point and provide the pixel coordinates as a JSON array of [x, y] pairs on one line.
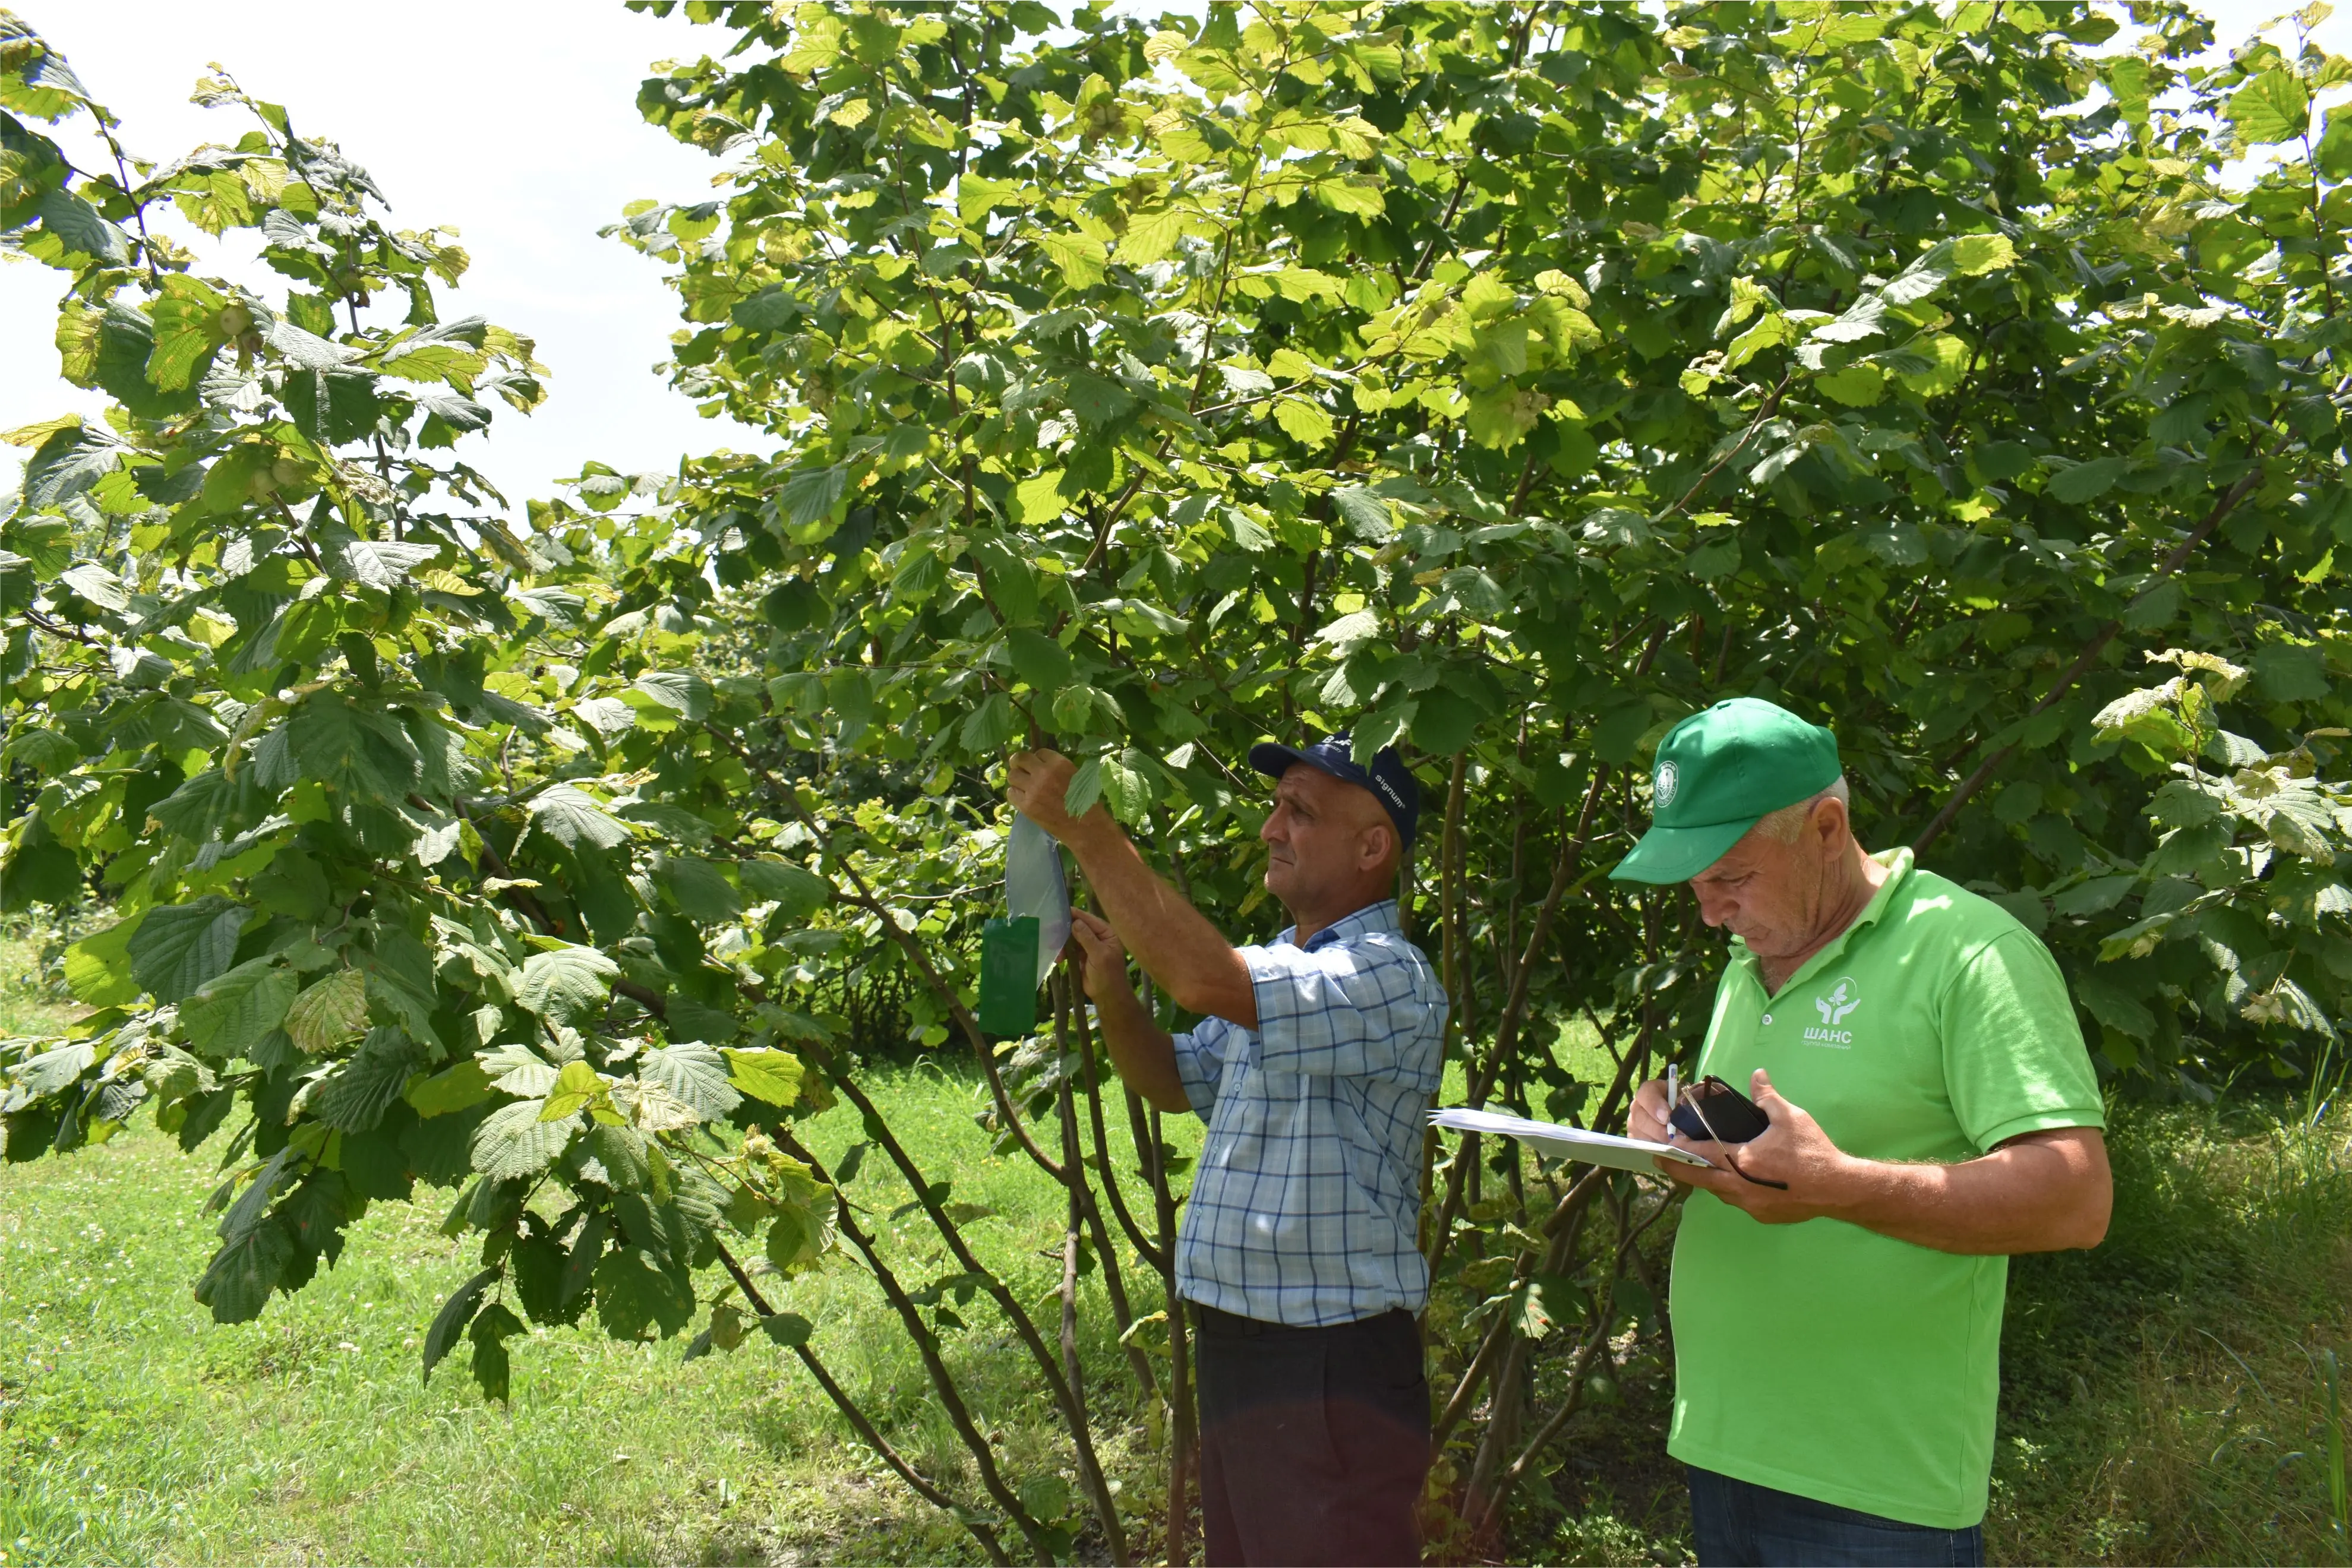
[[1732, 1117]]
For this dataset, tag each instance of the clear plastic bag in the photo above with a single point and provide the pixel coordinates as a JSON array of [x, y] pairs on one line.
[[1018, 952], [1034, 884]]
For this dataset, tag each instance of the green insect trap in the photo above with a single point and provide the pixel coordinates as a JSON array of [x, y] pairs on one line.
[[1017, 952]]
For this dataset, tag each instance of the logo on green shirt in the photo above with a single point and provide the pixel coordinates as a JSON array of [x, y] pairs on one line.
[[1843, 998]]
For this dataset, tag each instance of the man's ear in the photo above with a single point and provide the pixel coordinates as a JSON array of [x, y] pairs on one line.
[[1374, 844]]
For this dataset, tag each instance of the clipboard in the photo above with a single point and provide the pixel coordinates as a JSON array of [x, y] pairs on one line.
[[1566, 1143]]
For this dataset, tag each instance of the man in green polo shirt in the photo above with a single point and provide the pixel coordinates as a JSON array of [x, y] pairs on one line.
[[1838, 1282]]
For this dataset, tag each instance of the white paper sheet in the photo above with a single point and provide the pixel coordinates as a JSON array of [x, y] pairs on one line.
[[1566, 1143]]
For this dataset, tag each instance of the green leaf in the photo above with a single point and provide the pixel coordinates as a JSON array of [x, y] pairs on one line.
[[797, 891], [2274, 107], [1366, 512], [694, 1074], [2115, 997], [380, 564], [787, 1329], [573, 818], [701, 891], [230, 1014], [238, 1281], [197, 808], [1858, 386], [773, 1076], [452, 1089], [1151, 236], [634, 1293], [2291, 673], [1038, 658], [567, 985], [2086, 481], [81, 230], [52, 1070], [810, 495], [1046, 1496], [683, 692], [355, 1095], [796, 1239], [1085, 788], [451, 1320], [513, 1142], [1357, 196], [975, 194], [1096, 399], [989, 726], [355, 752], [98, 968], [2333, 156], [493, 1325], [331, 1012], [177, 947], [1127, 789]]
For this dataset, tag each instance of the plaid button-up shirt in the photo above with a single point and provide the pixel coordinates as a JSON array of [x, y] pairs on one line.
[[1306, 1199]]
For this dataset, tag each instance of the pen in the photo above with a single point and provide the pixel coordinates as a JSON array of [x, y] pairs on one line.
[[1670, 1099]]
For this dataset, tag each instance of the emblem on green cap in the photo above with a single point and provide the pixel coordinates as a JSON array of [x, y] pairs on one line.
[[1663, 790]]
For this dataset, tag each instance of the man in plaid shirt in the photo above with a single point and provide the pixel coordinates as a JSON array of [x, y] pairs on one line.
[[1313, 1065]]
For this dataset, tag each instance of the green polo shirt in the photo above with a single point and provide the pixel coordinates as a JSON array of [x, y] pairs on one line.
[[1827, 1360]]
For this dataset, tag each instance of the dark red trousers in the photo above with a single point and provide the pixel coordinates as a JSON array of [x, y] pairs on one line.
[[1314, 1441]]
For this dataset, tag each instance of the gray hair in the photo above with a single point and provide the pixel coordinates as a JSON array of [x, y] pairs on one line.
[[1783, 825]]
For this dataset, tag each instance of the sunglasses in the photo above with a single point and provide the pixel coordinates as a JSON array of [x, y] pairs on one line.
[[1713, 1109]]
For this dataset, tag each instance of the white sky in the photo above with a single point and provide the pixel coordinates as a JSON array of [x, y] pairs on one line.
[[512, 120]]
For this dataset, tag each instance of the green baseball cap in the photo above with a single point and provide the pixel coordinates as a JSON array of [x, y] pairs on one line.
[[1718, 771]]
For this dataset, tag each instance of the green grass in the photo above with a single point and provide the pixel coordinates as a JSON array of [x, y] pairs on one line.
[[135, 1429], [2162, 1400], [33, 998], [2159, 1401]]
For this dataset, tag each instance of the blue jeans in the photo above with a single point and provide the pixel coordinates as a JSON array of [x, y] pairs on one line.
[[1740, 1524]]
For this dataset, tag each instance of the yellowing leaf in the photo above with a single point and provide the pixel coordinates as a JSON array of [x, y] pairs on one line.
[[1951, 357], [1304, 422], [773, 1076], [1290, 365], [2274, 107], [1501, 416], [1976, 254], [1150, 235], [1038, 499], [1357, 197], [1856, 385], [329, 1013], [1079, 258], [575, 1086]]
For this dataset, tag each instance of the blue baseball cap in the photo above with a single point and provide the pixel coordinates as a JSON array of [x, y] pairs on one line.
[[1391, 782]]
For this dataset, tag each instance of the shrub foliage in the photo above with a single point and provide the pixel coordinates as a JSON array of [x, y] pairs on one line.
[[1501, 382]]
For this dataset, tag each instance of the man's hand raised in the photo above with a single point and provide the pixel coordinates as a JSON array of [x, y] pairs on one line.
[[1037, 782]]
